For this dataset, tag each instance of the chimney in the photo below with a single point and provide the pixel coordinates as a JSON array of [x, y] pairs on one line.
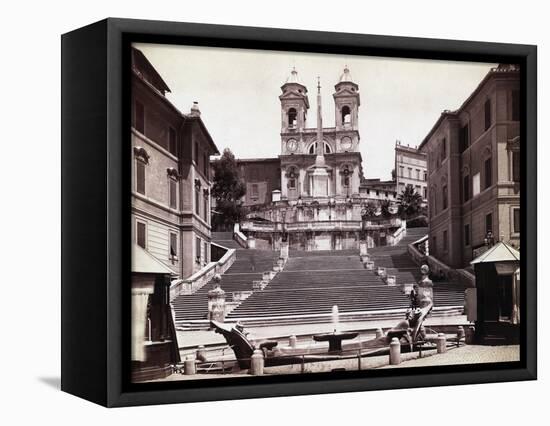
[[195, 111]]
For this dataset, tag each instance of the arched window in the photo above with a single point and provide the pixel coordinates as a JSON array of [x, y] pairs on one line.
[[346, 115], [313, 148], [292, 118]]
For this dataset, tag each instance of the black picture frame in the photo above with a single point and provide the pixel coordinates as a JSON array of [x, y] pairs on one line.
[[95, 210]]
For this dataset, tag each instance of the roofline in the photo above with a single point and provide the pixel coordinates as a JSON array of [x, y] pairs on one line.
[[493, 72], [191, 118], [157, 74], [185, 117]]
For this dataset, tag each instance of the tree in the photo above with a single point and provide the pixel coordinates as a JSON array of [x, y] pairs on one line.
[[368, 210], [410, 202], [228, 189], [385, 206]]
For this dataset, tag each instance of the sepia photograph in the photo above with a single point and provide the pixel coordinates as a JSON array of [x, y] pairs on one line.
[[299, 213]]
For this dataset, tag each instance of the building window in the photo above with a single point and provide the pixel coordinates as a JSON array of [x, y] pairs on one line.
[[466, 188], [401, 171], [141, 234], [206, 251], [172, 140], [425, 176], [425, 192], [515, 166], [444, 194], [173, 193], [292, 118], [409, 169], [476, 184], [346, 115], [140, 177], [313, 148], [198, 250], [487, 109], [466, 235], [515, 105], [517, 221], [197, 201], [417, 174], [445, 241], [173, 245], [205, 205], [443, 149], [140, 117], [254, 191], [464, 138], [488, 167], [489, 223]]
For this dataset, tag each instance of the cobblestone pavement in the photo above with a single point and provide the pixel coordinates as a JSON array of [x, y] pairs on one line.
[[471, 354]]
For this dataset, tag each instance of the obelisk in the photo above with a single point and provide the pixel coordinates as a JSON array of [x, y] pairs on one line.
[[320, 175]]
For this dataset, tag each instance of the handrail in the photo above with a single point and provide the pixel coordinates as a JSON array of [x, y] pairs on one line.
[[239, 237], [203, 276]]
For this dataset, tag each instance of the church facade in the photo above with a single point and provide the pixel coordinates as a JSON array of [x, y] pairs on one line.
[[320, 203]]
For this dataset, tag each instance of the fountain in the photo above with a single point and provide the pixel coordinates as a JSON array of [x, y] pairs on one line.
[[335, 338], [409, 334], [335, 318]]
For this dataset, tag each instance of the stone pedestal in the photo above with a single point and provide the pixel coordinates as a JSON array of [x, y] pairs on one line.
[[189, 366], [284, 250], [381, 272], [441, 343], [216, 302], [257, 363], [362, 248], [379, 333], [395, 352], [251, 242], [292, 341], [369, 265], [391, 280], [425, 285], [319, 179]]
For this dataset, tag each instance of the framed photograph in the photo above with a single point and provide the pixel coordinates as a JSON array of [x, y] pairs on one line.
[[254, 212]]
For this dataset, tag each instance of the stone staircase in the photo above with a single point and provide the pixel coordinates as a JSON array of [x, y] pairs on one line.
[[313, 282], [225, 239], [248, 266]]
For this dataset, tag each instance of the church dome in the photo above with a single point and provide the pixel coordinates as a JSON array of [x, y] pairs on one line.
[[293, 77], [346, 76]]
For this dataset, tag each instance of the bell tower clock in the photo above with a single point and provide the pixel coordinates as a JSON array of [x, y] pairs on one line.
[[294, 106], [346, 106]]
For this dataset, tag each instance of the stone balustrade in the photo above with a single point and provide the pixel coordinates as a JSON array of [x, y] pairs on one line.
[[200, 278]]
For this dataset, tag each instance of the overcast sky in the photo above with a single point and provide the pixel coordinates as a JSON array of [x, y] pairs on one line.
[[238, 92]]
